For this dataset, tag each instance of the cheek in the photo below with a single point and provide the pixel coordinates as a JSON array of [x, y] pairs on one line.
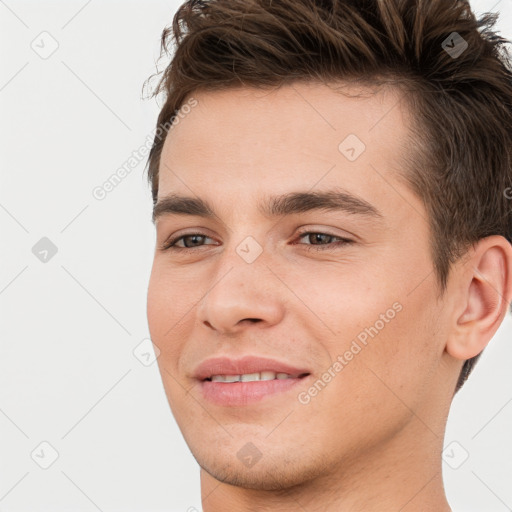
[[163, 317], [383, 329], [169, 298], [344, 301], [400, 360], [167, 315], [157, 305]]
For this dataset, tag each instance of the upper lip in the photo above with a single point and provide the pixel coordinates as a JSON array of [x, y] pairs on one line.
[[247, 364]]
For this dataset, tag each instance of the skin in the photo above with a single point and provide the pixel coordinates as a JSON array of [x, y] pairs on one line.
[[371, 439]]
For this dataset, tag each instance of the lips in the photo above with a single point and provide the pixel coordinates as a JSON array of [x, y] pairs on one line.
[[243, 382], [245, 365]]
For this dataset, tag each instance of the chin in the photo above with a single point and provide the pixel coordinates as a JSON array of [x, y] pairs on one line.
[[272, 472]]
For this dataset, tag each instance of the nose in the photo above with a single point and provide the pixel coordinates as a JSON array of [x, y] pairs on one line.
[[241, 296]]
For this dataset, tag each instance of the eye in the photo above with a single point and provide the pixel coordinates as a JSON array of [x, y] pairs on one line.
[[189, 240], [318, 239]]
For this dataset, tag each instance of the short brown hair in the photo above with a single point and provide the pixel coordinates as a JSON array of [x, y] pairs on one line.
[[460, 158]]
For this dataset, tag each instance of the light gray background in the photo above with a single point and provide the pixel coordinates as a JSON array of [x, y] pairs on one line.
[[69, 327]]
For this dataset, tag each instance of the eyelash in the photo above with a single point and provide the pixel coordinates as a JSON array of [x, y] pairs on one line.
[[170, 244]]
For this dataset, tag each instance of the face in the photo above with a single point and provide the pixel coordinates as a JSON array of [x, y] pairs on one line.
[[335, 289]]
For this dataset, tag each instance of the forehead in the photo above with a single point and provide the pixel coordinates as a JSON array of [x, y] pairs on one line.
[[303, 135]]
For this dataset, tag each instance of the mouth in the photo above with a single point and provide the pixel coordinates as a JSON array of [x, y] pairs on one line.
[[265, 375], [237, 382], [231, 382]]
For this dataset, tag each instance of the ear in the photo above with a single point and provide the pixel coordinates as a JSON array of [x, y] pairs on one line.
[[485, 292]]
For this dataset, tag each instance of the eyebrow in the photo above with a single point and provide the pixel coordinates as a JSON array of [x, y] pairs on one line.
[[275, 206]]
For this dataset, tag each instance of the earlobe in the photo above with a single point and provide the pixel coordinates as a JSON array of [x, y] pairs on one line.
[[485, 295]]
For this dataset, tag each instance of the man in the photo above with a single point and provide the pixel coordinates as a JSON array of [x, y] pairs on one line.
[[332, 204]]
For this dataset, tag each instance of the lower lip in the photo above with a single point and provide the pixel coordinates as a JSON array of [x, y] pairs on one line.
[[245, 393]]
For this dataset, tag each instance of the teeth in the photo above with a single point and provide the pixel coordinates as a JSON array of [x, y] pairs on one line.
[[251, 377]]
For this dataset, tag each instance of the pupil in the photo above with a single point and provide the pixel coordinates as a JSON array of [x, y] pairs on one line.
[[318, 237], [196, 237]]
